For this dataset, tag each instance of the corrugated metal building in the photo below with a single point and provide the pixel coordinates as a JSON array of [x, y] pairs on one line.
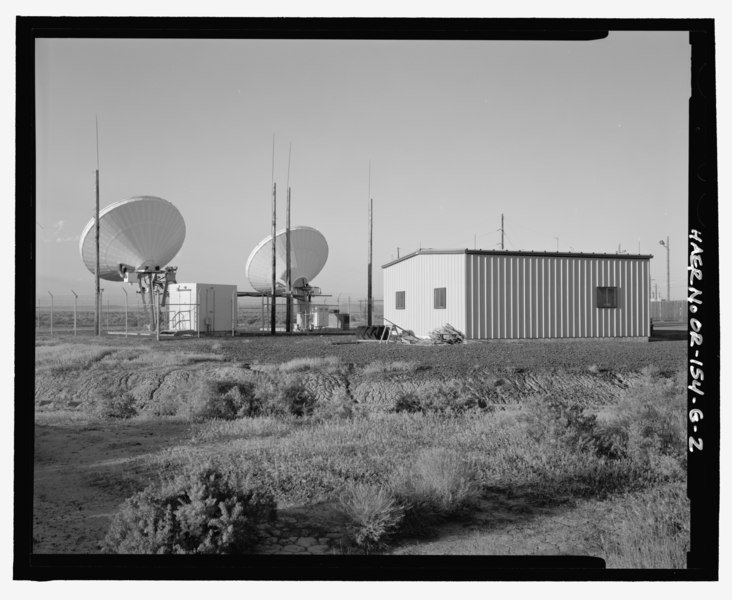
[[495, 294]]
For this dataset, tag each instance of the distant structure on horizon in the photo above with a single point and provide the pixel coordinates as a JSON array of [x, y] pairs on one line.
[[496, 294]]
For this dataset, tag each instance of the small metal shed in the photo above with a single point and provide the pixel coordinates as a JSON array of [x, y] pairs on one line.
[[202, 307], [497, 294]]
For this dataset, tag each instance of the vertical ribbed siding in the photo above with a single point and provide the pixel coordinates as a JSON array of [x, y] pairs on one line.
[[525, 297]]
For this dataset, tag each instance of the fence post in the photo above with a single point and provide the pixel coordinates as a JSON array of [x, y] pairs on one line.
[[125, 291], [213, 326], [50, 294], [157, 315], [233, 312], [75, 297]]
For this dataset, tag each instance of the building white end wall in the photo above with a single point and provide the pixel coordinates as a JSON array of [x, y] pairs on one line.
[[418, 277]]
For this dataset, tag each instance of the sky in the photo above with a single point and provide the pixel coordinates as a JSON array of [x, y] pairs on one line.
[[581, 146]]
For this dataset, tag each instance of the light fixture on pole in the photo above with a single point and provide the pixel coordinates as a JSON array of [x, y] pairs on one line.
[[668, 267]]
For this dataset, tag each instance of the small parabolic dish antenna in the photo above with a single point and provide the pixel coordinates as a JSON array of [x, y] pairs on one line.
[[308, 253], [143, 233]]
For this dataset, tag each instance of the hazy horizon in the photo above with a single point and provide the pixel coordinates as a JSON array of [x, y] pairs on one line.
[[582, 146]]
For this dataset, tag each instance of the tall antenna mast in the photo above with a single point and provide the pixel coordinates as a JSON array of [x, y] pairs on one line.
[[369, 300], [274, 246], [97, 307], [288, 313], [502, 233]]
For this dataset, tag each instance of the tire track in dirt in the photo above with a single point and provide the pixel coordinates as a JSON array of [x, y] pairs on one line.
[[502, 525], [150, 385]]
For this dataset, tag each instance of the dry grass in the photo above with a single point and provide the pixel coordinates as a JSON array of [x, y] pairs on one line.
[[328, 364], [374, 514], [440, 479], [60, 358], [395, 366], [438, 457], [648, 530]]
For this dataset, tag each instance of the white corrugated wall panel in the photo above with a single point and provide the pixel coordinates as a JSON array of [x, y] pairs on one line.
[[417, 277]]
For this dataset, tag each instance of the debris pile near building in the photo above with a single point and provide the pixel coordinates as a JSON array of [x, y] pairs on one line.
[[447, 334]]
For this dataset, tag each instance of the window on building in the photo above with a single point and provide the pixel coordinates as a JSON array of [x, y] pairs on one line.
[[400, 300], [607, 297], [440, 297]]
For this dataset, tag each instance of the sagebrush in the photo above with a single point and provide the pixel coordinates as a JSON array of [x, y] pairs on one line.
[[373, 513], [205, 511]]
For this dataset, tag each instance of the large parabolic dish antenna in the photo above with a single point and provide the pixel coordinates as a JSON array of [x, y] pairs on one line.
[[308, 253], [144, 232]]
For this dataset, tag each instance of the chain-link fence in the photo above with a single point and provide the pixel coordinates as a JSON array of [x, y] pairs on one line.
[[673, 310], [124, 312]]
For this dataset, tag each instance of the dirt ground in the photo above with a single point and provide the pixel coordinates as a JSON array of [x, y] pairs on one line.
[[83, 473]]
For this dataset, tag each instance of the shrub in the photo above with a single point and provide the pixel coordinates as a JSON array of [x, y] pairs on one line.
[[645, 428], [560, 422], [111, 406], [439, 484], [204, 511], [373, 514], [449, 397], [286, 394], [340, 405], [223, 400], [646, 425]]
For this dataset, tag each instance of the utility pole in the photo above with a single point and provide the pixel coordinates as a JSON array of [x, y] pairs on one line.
[[502, 246], [274, 258], [97, 303], [288, 314], [371, 235], [288, 266]]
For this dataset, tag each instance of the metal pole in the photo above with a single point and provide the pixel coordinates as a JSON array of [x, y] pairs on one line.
[[502, 246], [125, 292], [153, 318], [75, 297], [50, 294], [213, 310], [98, 306], [668, 270], [274, 258], [107, 315], [288, 312], [157, 315], [371, 233], [233, 312]]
